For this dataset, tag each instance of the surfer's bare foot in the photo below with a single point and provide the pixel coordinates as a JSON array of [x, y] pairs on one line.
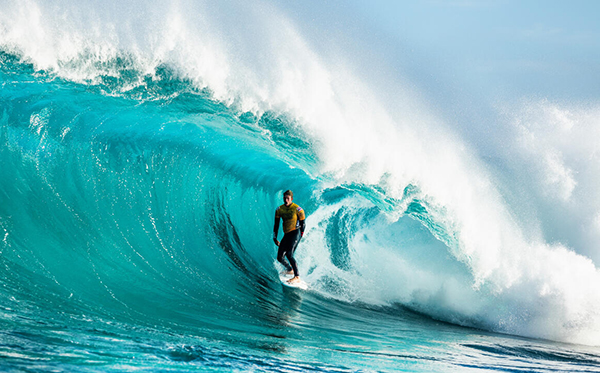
[[288, 272], [294, 280]]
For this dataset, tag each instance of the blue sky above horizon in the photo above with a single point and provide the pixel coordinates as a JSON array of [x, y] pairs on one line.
[[503, 47], [529, 46]]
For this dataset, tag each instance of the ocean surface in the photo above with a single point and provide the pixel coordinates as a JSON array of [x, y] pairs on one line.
[[144, 149]]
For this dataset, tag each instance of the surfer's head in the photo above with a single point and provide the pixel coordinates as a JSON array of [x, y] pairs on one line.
[[288, 197]]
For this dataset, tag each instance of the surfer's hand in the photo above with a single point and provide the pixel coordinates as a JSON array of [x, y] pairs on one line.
[[276, 242]]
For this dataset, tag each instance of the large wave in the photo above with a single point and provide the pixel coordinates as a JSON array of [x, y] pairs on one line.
[[154, 141]]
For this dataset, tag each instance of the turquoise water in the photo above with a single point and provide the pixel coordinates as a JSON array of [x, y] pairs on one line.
[[136, 236], [136, 210]]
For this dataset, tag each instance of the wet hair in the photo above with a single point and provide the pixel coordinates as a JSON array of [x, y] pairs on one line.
[[288, 193]]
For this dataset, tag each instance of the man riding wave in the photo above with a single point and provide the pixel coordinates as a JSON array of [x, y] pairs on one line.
[[293, 229]]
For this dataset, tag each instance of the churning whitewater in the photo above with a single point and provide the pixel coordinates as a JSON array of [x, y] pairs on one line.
[[144, 148]]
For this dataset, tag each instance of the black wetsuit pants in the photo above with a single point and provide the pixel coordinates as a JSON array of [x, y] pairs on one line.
[[287, 246]]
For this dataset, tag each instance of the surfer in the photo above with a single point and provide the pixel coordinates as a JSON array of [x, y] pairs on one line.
[[293, 229]]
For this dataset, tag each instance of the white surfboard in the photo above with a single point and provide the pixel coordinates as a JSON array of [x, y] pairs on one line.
[[296, 285]]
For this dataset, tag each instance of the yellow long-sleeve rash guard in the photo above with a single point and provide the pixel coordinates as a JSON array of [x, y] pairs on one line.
[[291, 216]]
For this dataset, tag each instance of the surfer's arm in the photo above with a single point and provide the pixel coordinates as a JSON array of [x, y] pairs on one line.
[[301, 218], [276, 230]]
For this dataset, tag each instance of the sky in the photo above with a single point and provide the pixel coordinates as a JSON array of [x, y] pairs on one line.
[[504, 48], [549, 48]]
